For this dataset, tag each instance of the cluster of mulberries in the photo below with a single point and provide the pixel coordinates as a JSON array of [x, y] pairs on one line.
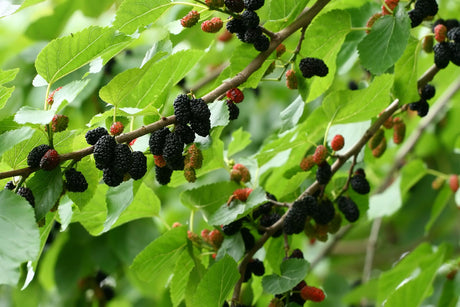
[[256, 267], [324, 171], [194, 112], [447, 49], [246, 25], [422, 9], [268, 214], [296, 217], [234, 96], [422, 107], [115, 160], [44, 157], [313, 67]]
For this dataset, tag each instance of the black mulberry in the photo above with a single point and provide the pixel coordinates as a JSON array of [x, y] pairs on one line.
[[122, 159], [442, 54], [233, 110], [454, 34], [455, 53], [295, 218], [250, 19], [232, 228], [427, 7], [253, 5], [36, 154], [182, 109], [416, 17], [163, 174], [200, 109], [9, 185], [261, 43], [323, 173], [103, 151], [139, 165], [173, 147], [111, 178], [313, 67], [236, 25], [185, 133], [27, 194], [428, 92], [360, 184], [235, 5], [349, 208], [248, 239], [251, 35], [256, 267], [268, 220], [201, 127], [157, 141], [75, 181], [92, 136], [326, 212], [451, 23], [422, 107]]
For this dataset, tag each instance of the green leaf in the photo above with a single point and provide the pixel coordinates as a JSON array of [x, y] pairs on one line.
[[442, 199], [47, 188], [160, 255], [33, 116], [208, 197], [240, 140], [219, 113], [19, 236], [292, 272], [184, 266], [5, 94], [232, 246], [405, 84], [325, 44], [11, 138], [348, 106], [66, 54], [133, 14], [86, 167], [291, 115], [237, 209], [8, 75], [412, 173], [410, 281], [123, 84], [385, 44], [386, 203], [217, 283], [117, 199]]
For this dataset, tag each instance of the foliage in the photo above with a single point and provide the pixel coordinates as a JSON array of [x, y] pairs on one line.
[[145, 244]]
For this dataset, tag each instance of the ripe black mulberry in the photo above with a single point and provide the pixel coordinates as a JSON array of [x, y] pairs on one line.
[[295, 219], [92, 136], [163, 174], [111, 178], [235, 5], [427, 7], [138, 166], [182, 109], [104, 151], [442, 54], [122, 159], [233, 110], [349, 208], [233, 227], [27, 194], [250, 19], [326, 212], [428, 92], [75, 181], [323, 173], [185, 133], [157, 141], [261, 43], [360, 184], [36, 154], [253, 5], [313, 67]]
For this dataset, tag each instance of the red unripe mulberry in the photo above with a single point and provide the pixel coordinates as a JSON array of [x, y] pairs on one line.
[[117, 128], [307, 163], [391, 4], [312, 293], [337, 142], [291, 79], [240, 194], [235, 95], [190, 19], [50, 160], [240, 173], [213, 25], [440, 32], [159, 161], [453, 183], [399, 130], [372, 20], [320, 154]]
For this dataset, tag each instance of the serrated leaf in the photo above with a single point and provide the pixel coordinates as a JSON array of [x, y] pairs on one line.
[[406, 77], [292, 272], [217, 283], [184, 266], [47, 188], [66, 54], [325, 44], [5, 94], [348, 106], [134, 14], [240, 140], [385, 44], [19, 236], [219, 113], [11, 138], [160, 255], [8, 75], [237, 209]]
